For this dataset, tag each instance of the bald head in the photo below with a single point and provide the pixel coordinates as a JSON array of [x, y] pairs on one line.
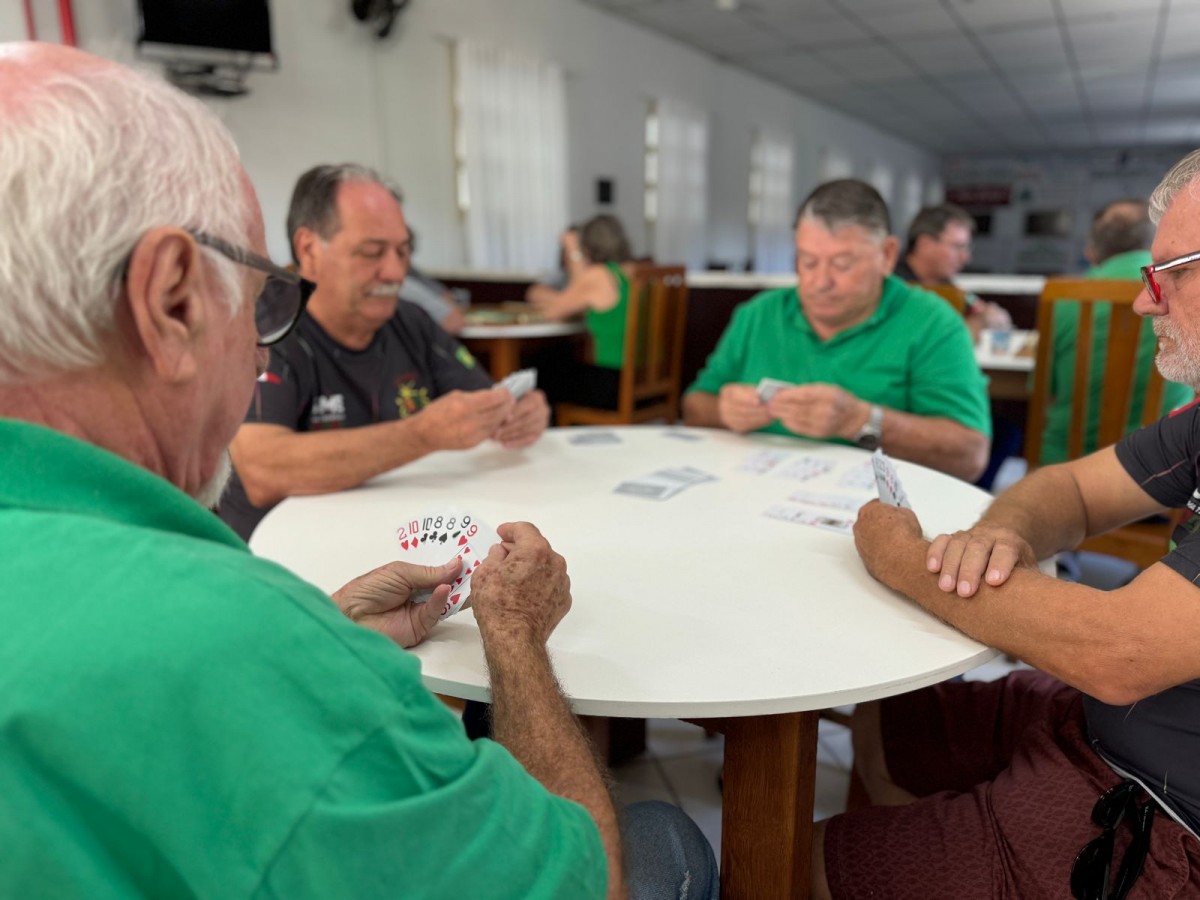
[[92, 156], [1120, 227]]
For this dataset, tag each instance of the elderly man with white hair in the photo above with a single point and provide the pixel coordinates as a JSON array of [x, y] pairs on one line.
[[178, 718], [1078, 778]]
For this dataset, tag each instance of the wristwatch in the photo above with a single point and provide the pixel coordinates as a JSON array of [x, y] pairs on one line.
[[870, 436]]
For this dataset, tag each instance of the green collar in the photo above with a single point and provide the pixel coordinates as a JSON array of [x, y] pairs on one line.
[[893, 287], [52, 472]]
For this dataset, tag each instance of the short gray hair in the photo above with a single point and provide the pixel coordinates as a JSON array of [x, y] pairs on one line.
[[1120, 227], [90, 161], [1182, 175], [847, 201], [314, 199]]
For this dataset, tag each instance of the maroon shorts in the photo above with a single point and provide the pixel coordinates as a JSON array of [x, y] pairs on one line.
[[1007, 782]]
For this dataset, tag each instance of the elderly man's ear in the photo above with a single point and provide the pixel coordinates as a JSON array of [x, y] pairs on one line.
[[167, 307]]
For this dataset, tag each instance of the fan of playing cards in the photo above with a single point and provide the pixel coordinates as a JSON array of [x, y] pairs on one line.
[[520, 382], [435, 537]]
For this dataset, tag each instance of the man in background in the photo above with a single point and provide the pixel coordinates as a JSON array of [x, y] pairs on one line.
[[1117, 248], [937, 248], [866, 358], [431, 295], [181, 719], [365, 384]]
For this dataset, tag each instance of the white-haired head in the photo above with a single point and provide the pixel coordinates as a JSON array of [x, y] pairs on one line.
[[1184, 174], [93, 155]]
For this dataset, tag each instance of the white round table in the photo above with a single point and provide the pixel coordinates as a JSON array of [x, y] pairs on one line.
[[697, 606]]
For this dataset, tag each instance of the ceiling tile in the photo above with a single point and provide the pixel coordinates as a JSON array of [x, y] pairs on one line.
[[804, 31], [869, 61], [987, 14], [1018, 47], [942, 55], [1183, 25], [793, 67], [896, 24], [1091, 9]]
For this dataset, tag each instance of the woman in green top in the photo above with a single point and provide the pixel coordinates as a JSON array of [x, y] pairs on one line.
[[598, 263]]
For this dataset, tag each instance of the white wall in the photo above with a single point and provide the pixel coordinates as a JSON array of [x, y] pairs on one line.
[[342, 95]]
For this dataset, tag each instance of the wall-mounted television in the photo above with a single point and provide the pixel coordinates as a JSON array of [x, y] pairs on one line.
[[236, 26]]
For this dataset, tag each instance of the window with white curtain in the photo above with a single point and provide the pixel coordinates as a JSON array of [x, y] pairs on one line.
[[676, 198], [770, 214], [882, 180], [510, 150]]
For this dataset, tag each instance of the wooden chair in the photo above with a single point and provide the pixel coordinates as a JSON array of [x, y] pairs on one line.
[[653, 358], [1143, 543], [956, 297]]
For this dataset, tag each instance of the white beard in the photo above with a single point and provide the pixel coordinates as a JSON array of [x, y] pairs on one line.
[[211, 491], [1179, 361]]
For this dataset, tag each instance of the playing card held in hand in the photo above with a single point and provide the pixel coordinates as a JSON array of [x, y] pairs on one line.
[[439, 535]]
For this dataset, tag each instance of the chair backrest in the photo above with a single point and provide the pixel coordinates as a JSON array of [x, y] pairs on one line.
[[653, 360], [1116, 394], [956, 297]]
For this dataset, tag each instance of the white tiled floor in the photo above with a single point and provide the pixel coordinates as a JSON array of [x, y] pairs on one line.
[[681, 766]]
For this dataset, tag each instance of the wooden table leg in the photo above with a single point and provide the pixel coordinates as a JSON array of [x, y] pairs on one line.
[[506, 357], [767, 809]]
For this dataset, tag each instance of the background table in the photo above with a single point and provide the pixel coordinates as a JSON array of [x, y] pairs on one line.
[[1009, 372], [695, 607], [502, 343]]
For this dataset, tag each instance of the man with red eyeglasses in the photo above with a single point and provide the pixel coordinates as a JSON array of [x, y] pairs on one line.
[[1078, 778]]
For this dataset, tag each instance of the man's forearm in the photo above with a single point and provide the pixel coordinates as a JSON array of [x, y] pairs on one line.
[[276, 466], [700, 410], [1074, 633], [531, 717], [937, 443], [1045, 508]]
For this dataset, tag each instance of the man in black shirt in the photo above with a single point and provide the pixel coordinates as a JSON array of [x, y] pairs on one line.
[[992, 790], [340, 401]]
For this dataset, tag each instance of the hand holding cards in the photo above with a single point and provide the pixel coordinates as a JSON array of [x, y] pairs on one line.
[[769, 387], [891, 491], [520, 382], [440, 535]]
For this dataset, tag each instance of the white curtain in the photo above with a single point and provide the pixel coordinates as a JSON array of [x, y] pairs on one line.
[[680, 232], [513, 144], [774, 241]]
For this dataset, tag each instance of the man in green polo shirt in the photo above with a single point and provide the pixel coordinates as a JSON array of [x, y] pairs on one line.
[[177, 717], [869, 359], [1118, 247]]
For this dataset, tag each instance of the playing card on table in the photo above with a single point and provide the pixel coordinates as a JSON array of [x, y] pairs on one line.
[[681, 435], [594, 437], [891, 491], [439, 535], [806, 467], [829, 501], [769, 387], [763, 461], [520, 382], [861, 477], [804, 517], [664, 483]]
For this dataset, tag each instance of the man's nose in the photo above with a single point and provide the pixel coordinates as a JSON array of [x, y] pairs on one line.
[[395, 266], [1144, 305]]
